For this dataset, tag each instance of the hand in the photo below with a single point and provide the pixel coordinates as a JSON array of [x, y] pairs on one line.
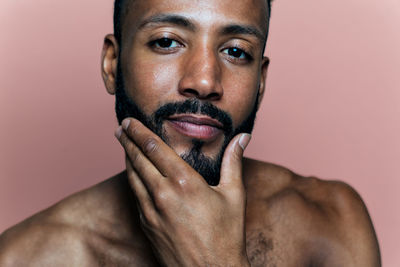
[[188, 222]]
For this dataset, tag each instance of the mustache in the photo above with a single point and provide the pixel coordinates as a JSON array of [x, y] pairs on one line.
[[194, 106]]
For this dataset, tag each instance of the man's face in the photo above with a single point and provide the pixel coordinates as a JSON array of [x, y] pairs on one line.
[[193, 72]]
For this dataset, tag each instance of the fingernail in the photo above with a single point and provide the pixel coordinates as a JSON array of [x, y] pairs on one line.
[[125, 123], [118, 132], [244, 140]]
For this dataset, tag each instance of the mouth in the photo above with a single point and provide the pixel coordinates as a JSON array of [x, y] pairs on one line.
[[196, 126]]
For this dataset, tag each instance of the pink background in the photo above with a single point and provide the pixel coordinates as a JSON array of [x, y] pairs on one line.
[[332, 107]]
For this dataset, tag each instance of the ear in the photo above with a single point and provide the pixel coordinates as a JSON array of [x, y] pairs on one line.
[[109, 62], [263, 79]]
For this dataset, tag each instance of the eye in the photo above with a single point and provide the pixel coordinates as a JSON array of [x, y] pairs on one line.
[[165, 43], [237, 53]]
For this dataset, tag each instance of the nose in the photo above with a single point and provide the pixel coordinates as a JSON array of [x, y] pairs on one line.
[[201, 75]]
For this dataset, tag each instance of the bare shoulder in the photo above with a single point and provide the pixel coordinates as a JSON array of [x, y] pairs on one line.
[[328, 215], [42, 242], [346, 221], [73, 232]]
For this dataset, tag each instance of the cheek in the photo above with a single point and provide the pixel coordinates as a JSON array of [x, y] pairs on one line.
[[149, 83], [241, 96]]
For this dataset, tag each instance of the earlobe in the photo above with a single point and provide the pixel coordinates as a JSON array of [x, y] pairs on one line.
[[263, 80], [109, 62]]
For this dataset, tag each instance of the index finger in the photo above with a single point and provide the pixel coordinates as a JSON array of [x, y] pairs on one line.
[[153, 147]]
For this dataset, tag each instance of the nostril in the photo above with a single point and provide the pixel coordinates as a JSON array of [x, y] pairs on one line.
[[213, 96], [194, 93], [191, 92]]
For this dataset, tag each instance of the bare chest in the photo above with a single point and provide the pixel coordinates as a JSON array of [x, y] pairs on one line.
[[275, 236], [280, 235], [269, 242], [265, 248]]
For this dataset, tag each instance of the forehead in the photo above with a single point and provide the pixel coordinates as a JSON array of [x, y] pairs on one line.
[[205, 13]]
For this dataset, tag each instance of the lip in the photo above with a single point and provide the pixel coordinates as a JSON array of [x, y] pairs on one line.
[[196, 126]]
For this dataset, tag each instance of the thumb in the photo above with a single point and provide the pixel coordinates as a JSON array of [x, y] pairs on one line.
[[231, 168]]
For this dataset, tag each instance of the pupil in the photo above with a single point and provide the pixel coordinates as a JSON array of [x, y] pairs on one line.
[[165, 42], [235, 52]]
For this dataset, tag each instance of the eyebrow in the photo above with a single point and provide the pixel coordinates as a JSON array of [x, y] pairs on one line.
[[243, 29], [168, 18], [184, 22]]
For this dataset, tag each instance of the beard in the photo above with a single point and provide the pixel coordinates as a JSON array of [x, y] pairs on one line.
[[209, 168]]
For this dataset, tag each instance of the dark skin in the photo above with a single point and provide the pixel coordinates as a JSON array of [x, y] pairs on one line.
[[160, 211]]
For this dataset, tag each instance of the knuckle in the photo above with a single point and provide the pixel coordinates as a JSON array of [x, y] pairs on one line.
[[133, 128], [150, 145], [135, 157], [183, 183], [162, 197], [181, 172], [127, 146], [185, 186], [127, 143], [123, 139]]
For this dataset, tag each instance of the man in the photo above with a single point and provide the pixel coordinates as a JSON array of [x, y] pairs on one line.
[[189, 77]]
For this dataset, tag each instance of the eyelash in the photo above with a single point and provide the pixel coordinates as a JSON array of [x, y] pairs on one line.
[[155, 44], [246, 55]]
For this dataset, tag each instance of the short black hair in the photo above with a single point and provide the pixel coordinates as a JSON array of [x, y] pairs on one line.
[[120, 8], [118, 15]]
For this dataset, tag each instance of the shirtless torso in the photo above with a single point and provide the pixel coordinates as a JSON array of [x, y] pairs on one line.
[[193, 75], [290, 221]]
